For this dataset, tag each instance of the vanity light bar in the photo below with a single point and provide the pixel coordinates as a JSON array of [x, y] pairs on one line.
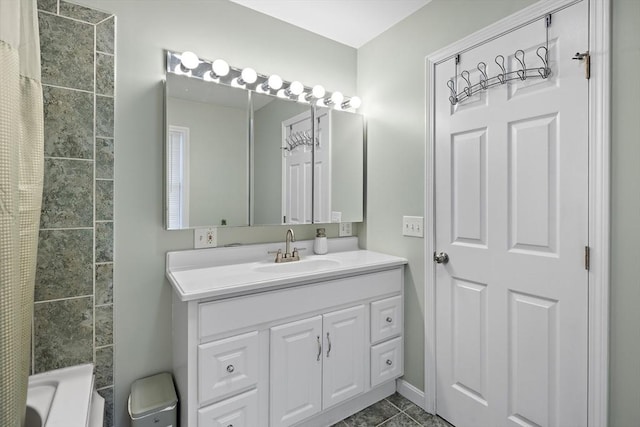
[[219, 71]]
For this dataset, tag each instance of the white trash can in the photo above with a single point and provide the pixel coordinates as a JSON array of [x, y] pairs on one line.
[[153, 402]]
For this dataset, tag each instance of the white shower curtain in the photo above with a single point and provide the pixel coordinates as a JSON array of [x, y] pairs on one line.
[[21, 171]]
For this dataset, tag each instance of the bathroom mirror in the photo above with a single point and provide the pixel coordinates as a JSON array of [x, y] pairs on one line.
[[237, 156], [207, 154]]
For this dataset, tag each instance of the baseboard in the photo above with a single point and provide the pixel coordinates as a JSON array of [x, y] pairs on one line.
[[413, 393]]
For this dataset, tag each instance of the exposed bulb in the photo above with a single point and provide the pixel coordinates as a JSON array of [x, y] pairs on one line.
[[274, 82], [296, 88], [337, 98], [318, 91], [189, 60], [249, 75], [220, 68], [353, 102]]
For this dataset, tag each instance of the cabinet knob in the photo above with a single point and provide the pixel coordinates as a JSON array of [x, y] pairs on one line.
[[230, 369], [389, 320], [389, 362]]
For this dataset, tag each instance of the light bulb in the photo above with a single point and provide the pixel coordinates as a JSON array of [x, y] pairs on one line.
[[353, 102], [274, 82], [189, 60], [220, 68], [249, 75], [296, 88], [318, 91], [337, 97]]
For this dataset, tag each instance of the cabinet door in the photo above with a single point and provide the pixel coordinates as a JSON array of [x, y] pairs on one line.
[[238, 411], [296, 371], [344, 352]]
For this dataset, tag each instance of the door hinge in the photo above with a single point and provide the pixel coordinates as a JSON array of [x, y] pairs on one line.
[[586, 57], [548, 20], [587, 258]]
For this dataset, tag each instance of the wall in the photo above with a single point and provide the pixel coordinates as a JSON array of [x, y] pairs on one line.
[[624, 397], [212, 29], [391, 82], [73, 311], [214, 129]]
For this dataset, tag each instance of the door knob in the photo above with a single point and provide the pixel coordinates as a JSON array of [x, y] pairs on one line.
[[441, 257]]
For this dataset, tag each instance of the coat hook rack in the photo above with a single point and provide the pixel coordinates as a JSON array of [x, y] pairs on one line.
[[297, 139], [504, 76]]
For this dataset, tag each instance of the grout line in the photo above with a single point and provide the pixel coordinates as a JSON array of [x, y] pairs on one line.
[[104, 96], [105, 53], [62, 299], [105, 137], [66, 229], [104, 179], [104, 305], [105, 387], [67, 158], [67, 88], [95, 119], [104, 20], [104, 346], [389, 419]]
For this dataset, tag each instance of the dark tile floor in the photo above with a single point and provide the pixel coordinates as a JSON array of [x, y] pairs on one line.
[[394, 411]]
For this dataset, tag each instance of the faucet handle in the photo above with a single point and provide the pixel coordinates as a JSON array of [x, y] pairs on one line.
[[278, 255]]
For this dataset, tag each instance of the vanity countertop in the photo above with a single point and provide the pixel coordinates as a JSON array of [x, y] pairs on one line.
[[225, 272]]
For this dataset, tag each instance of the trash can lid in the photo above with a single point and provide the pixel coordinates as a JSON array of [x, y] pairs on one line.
[[152, 394]]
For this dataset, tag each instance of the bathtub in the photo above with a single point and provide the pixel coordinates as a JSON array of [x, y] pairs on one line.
[[64, 398]]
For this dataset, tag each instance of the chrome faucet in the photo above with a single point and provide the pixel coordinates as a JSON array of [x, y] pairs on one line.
[[288, 254]]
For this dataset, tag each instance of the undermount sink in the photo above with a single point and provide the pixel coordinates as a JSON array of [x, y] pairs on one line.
[[302, 266]]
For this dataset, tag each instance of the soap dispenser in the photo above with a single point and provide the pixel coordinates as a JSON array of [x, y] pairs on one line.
[[320, 244]]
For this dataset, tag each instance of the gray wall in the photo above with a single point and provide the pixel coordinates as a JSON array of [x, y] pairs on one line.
[[73, 310], [624, 397], [391, 81], [218, 157], [213, 29]]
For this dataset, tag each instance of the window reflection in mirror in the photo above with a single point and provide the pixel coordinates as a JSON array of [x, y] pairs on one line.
[[207, 154], [282, 153]]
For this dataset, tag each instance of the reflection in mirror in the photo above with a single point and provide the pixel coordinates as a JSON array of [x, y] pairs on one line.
[[339, 166], [281, 161], [207, 154]]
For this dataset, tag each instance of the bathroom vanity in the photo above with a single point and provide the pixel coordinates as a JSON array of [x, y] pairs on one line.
[[302, 343]]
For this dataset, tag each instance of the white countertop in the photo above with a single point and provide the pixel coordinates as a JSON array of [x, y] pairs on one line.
[[225, 272]]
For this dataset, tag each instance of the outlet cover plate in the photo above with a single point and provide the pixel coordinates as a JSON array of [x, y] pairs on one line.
[[413, 226], [345, 229], [205, 238]]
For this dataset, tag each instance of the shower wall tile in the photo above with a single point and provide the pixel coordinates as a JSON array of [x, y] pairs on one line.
[[104, 74], [64, 264], [104, 366], [104, 200], [66, 52], [68, 123], [63, 333], [48, 5], [82, 13], [104, 116], [104, 241], [105, 32], [104, 158], [104, 284], [107, 394], [104, 325], [67, 200]]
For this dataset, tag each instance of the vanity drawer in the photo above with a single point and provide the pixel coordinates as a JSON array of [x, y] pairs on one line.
[[386, 361], [386, 318], [237, 411], [227, 366]]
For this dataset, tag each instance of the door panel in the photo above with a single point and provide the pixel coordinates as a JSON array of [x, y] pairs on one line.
[[511, 172]]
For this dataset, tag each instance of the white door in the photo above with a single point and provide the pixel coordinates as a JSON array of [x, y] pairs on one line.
[[511, 213], [343, 370], [296, 192], [296, 371]]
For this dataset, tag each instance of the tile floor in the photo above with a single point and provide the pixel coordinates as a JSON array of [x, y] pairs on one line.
[[394, 411]]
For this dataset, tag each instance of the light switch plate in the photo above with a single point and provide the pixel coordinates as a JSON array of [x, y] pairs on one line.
[[205, 238], [413, 226], [345, 229]]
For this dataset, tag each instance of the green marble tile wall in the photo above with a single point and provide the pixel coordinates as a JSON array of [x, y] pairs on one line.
[[73, 312]]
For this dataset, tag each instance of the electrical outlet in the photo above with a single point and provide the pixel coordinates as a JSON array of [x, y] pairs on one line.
[[345, 229], [413, 226], [205, 238]]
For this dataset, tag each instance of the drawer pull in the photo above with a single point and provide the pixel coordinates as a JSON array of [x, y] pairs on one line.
[[389, 362], [230, 369], [389, 320], [329, 341]]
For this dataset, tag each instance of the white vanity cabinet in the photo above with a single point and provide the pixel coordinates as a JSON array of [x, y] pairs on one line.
[[306, 353]]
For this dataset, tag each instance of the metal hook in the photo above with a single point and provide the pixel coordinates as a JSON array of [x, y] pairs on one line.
[[482, 67], [544, 71], [503, 76], [452, 87], [468, 90], [522, 73]]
